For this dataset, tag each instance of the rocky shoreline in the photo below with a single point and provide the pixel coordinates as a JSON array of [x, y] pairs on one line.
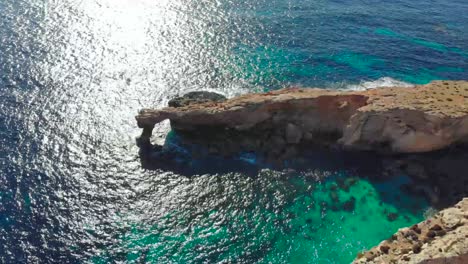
[[389, 120], [441, 239], [420, 131]]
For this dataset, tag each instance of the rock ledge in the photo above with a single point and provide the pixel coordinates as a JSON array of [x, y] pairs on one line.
[[392, 119], [440, 239]]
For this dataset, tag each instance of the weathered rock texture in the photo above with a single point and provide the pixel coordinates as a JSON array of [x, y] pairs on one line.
[[403, 120], [441, 176], [394, 119], [440, 239]]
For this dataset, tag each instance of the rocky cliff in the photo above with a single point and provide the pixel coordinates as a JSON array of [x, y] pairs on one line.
[[440, 239], [417, 122], [392, 119]]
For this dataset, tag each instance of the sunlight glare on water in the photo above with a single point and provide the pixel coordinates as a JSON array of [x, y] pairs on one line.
[[75, 73]]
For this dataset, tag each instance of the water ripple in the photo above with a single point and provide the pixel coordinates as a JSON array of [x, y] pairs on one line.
[[74, 74]]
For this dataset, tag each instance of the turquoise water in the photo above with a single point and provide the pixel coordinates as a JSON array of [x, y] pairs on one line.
[[273, 218], [75, 187]]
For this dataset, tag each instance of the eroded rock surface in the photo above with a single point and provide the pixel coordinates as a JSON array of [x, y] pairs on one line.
[[393, 119], [416, 122], [440, 239], [196, 98], [440, 176]]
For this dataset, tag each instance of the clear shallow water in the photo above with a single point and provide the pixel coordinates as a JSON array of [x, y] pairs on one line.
[[74, 74], [274, 218]]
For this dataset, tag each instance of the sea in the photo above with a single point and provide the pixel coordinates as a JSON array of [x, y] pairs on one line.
[[74, 73]]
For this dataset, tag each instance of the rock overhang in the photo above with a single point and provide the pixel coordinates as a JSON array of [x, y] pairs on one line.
[[392, 119]]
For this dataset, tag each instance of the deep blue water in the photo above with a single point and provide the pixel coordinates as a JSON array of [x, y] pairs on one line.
[[74, 73]]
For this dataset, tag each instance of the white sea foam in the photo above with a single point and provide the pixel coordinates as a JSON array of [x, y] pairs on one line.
[[382, 82]]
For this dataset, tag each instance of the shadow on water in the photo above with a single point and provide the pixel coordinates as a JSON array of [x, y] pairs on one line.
[[191, 160], [304, 202], [154, 157], [317, 196], [437, 176]]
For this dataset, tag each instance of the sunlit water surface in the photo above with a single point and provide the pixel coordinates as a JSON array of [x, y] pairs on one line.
[[74, 73]]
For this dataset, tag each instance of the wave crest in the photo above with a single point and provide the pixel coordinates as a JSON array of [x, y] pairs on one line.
[[381, 82]]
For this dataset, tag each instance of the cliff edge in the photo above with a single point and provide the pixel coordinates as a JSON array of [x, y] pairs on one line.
[[390, 119], [440, 239]]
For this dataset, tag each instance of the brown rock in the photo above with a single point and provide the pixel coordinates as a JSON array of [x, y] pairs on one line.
[[435, 227], [416, 248], [404, 250], [431, 234], [293, 134], [384, 249], [440, 245], [441, 233], [391, 119], [416, 229]]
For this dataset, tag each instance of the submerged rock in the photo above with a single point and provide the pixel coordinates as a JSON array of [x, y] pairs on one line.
[[349, 205], [334, 197], [392, 217]]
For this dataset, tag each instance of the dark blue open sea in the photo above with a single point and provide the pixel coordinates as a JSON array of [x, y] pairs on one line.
[[74, 73]]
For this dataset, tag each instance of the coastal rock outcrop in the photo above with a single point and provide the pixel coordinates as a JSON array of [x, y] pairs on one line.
[[421, 122], [392, 119], [196, 98], [441, 239]]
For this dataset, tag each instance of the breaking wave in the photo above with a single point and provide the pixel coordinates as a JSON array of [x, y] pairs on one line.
[[381, 82]]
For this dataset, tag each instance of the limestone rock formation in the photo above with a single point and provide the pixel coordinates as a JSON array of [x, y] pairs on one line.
[[440, 239], [414, 120], [196, 98], [393, 119]]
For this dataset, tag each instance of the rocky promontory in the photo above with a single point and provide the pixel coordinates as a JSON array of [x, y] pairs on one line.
[[425, 126], [441, 239], [278, 123]]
